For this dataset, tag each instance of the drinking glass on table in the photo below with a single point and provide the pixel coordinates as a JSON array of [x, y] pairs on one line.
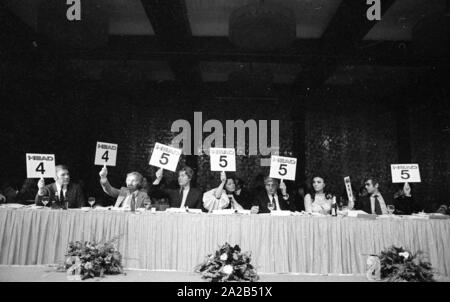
[[391, 209], [271, 206], [45, 200], [147, 205], [91, 201], [344, 210]]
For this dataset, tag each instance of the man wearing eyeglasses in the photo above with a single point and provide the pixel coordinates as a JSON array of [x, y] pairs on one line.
[[377, 203]]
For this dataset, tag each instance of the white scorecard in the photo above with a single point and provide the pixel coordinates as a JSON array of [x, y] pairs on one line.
[[283, 167], [165, 157], [222, 159], [105, 154], [348, 188], [405, 173], [40, 165]]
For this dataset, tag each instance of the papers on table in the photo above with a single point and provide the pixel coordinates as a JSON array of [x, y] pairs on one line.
[[195, 211], [354, 213], [280, 213], [176, 210], [13, 205], [224, 212], [100, 208], [244, 212], [386, 216]]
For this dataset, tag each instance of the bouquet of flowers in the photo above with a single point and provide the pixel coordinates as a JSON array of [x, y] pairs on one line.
[[228, 264], [90, 259], [399, 265]]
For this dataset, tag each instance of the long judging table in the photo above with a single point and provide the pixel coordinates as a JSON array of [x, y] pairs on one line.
[[170, 241]]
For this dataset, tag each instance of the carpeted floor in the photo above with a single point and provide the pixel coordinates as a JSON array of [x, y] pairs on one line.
[[49, 274]]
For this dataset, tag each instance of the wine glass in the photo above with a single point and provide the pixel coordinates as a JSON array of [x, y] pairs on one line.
[[91, 201], [45, 200], [391, 209], [271, 206], [147, 205]]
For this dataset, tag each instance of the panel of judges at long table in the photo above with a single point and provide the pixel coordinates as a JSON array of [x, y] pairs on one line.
[[180, 241]]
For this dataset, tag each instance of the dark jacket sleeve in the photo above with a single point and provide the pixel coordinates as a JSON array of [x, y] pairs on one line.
[[289, 202], [406, 205], [38, 199], [79, 197]]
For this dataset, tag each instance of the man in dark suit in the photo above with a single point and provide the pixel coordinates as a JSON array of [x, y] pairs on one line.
[[375, 203], [185, 195], [271, 194], [62, 191]]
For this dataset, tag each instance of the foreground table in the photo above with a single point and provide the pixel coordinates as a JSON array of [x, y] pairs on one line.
[[164, 241]]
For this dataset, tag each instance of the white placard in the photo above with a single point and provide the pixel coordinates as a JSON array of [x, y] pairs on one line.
[[348, 188], [222, 159], [40, 165], [405, 173], [105, 154], [165, 157], [283, 167]]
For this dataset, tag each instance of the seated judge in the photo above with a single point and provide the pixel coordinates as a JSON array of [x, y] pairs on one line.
[[222, 197], [242, 195], [320, 199], [61, 191], [126, 196], [185, 195], [376, 203], [279, 199]]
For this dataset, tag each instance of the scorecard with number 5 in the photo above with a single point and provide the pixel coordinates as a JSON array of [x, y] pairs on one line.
[[283, 167], [222, 159], [405, 173], [165, 157]]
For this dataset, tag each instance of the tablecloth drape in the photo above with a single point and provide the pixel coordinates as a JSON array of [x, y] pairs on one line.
[[171, 241]]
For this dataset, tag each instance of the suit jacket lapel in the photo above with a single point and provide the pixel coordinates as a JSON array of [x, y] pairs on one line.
[[189, 198]]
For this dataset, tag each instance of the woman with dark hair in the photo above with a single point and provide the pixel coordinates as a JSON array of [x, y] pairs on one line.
[[222, 197], [320, 199]]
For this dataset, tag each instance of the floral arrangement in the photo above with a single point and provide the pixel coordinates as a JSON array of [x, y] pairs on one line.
[[90, 259], [396, 264], [228, 264]]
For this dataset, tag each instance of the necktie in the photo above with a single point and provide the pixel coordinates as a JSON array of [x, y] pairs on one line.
[[377, 205], [181, 198], [274, 202], [133, 203], [61, 196]]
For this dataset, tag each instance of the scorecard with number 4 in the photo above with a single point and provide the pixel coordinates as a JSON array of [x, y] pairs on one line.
[[105, 154], [165, 157], [40, 165]]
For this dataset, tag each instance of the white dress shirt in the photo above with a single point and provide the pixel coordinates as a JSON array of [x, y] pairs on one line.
[[58, 190], [277, 204], [382, 203], [185, 194], [126, 204]]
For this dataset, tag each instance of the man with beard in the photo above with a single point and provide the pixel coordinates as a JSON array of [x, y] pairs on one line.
[[62, 191], [129, 197]]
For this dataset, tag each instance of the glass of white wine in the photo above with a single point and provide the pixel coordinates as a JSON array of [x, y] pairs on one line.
[[391, 209], [45, 200], [91, 201]]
